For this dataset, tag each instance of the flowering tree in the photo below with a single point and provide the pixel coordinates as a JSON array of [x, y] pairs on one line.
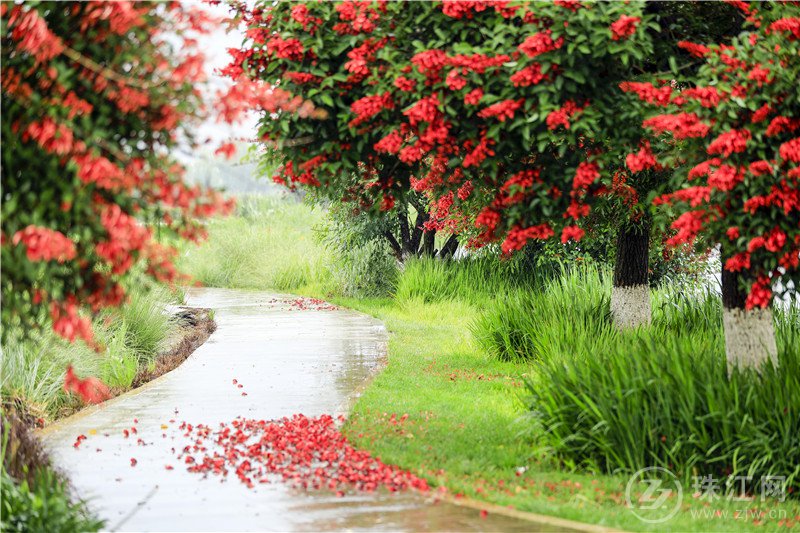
[[94, 97], [508, 116], [734, 134]]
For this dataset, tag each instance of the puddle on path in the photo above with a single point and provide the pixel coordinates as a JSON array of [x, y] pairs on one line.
[[288, 360]]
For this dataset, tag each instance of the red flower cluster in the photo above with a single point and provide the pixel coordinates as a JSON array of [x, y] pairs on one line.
[[560, 117], [697, 50], [681, 125], [52, 137], [641, 160], [369, 106], [540, 43], [648, 93], [530, 75], [32, 34], [390, 144], [790, 150], [125, 235], [43, 244], [502, 110], [624, 27], [586, 174], [518, 237], [90, 390], [290, 49], [67, 323], [733, 141]]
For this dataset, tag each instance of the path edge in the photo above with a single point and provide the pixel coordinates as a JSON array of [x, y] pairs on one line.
[[91, 409]]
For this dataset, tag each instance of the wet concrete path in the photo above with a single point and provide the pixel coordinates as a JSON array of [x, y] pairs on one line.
[[289, 360]]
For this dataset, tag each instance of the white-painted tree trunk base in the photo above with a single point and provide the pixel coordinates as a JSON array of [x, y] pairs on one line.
[[749, 338], [630, 306]]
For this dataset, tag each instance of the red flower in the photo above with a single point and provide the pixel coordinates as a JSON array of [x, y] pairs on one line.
[[481, 152], [738, 262], [90, 390], [688, 225], [642, 160], [779, 125], [791, 25], [67, 323], [430, 62], [518, 237], [43, 244], [404, 84], [697, 50], [725, 178], [573, 233], [454, 80], [790, 150], [585, 175], [228, 150], [473, 97], [540, 43], [33, 35], [424, 110], [291, 49], [369, 106], [390, 144], [465, 190], [53, 138], [647, 92], [760, 294], [502, 110], [732, 141], [624, 27], [707, 96], [528, 76], [682, 125]]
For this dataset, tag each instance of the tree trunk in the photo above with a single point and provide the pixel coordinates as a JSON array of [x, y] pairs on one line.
[[405, 234], [428, 244], [449, 248], [397, 250], [749, 334], [630, 294]]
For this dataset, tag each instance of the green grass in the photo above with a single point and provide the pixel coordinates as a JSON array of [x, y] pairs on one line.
[[468, 426], [268, 245], [34, 496], [32, 370]]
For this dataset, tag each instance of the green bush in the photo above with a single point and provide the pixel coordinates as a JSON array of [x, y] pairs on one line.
[[33, 497], [32, 369], [567, 314], [359, 258], [43, 507], [662, 397], [472, 279]]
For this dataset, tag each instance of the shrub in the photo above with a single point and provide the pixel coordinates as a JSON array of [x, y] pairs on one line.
[[570, 313], [472, 279], [662, 397], [33, 367], [360, 259], [33, 497]]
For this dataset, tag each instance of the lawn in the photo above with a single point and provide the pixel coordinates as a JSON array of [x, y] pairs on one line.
[[446, 409]]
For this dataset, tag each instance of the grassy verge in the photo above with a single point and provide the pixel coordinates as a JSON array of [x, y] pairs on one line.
[[35, 496], [133, 334], [449, 410]]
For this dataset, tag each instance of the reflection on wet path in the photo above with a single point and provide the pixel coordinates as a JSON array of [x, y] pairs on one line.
[[288, 361]]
